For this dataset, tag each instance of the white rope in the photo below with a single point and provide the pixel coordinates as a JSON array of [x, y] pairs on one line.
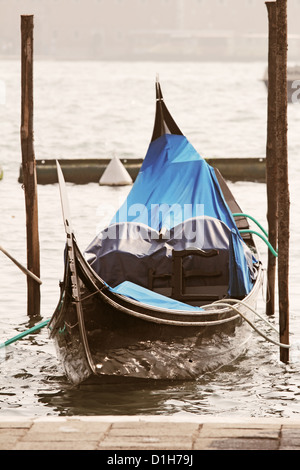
[[165, 321], [241, 302], [228, 302]]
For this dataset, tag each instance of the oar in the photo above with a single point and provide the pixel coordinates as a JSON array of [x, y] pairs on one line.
[[23, 269]]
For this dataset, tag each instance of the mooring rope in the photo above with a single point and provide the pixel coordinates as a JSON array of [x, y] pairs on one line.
[[265, 239], [238, 214], [24, 333], [228, 303], [273, 251]]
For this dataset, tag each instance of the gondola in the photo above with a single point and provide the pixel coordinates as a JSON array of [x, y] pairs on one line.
[[165, 291]]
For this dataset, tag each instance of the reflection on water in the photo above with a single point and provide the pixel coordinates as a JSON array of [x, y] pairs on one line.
[[255, 385]]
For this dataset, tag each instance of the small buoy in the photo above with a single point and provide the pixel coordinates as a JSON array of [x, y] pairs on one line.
[[115, 174]]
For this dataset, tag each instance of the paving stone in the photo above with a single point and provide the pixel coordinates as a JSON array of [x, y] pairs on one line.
[[56, 445], [69, 427], [148, 429], [61, 436], [149, 443], [9, 437], [289, 447], [236, 444], [271, 431], [162, 436], [12, 424], [130, 433], [290, 438], [61, 433]]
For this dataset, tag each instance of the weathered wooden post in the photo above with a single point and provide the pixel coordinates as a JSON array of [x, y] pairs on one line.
[[29, 165], [271, 158], [283, 181]]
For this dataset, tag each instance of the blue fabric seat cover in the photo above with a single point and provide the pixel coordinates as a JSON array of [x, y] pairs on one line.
[[148, 297]]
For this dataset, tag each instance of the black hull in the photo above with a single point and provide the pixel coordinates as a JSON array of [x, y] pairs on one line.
[[106, 336]]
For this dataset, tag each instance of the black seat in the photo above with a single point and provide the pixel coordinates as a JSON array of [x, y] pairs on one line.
[[207, 282], [197, 275]]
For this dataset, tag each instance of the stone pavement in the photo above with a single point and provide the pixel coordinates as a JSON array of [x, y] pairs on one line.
[[151, 433]]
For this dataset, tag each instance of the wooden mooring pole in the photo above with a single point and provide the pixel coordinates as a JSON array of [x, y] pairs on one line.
[[283, 181], [29, 165], [271, 157]]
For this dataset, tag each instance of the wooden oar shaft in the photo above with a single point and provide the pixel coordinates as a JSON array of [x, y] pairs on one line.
[[20, 266]]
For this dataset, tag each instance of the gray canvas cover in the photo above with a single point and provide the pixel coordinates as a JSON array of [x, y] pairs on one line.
[[130, 251]]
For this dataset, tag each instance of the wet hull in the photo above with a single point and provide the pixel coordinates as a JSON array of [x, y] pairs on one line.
[[119, 338]]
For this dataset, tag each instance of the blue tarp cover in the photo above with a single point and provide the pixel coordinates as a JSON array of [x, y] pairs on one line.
[[174, 185], [176, 180], [148, 297]]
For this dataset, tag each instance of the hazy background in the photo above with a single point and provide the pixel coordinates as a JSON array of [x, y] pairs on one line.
[[145, 29]]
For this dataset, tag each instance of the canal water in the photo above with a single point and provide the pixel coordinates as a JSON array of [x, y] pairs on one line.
[[97, 109]]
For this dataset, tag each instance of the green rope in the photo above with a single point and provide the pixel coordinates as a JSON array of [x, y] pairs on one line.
[[273, 251], [254, 220], [24, 333], [264, 239]]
